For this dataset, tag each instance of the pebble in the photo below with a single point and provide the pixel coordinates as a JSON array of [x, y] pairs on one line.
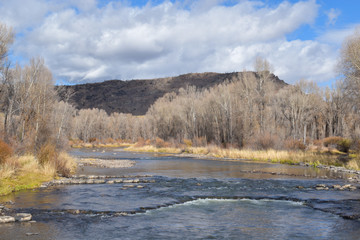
[[140, 186], [110, 182]]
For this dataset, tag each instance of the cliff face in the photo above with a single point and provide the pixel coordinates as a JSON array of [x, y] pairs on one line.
[[136, 96]]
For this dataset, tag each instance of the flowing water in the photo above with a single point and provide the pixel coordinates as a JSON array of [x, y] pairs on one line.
[[186, 198]]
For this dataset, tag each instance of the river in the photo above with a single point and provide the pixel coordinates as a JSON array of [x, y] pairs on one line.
[[188, 198]]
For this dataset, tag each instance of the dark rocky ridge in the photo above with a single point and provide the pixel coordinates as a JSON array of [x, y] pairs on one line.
[[136, 96]]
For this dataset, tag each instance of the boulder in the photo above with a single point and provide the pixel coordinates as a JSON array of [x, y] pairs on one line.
[[23, 217], [6, 219]]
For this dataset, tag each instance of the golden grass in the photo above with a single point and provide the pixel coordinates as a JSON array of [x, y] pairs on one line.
[[101, 145], [25, 172], [329, 157], [151, 148]]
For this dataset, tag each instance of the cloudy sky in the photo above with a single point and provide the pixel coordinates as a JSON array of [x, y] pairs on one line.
[[95, 40]]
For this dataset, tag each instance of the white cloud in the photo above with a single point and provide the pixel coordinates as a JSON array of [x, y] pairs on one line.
[[336, 36], [333, 15], [83, 43]]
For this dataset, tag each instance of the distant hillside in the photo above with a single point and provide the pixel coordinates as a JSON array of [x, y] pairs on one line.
[[136, 96]]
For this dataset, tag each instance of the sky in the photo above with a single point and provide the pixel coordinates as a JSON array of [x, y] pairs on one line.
[[86, 41]]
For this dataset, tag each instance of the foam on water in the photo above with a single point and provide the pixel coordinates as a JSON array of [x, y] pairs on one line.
[[208, 201]]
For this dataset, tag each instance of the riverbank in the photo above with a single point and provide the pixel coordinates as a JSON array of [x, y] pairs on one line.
[[27, 172], [322, 157]]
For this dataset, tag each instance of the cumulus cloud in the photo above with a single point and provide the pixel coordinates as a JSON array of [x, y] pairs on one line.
[[82, 42]]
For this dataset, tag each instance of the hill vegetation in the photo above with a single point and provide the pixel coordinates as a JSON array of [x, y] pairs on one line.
[[136, 96]]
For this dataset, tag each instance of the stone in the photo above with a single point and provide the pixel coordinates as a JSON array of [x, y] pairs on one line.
[[336, 186], [118, 180], [99, 181], [110, 182], [352, 188], [140, 186], [32, 234], [23, 217], [90, 181], [6, 219], [300, 187], [128, 181], [129, 186], [321, 185]]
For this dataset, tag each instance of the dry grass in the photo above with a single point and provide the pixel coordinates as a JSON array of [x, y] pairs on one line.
[[151, 148], [329, 157], [26, 172]]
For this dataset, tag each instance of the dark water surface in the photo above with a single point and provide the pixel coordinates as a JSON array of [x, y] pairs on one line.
[[189, 198]]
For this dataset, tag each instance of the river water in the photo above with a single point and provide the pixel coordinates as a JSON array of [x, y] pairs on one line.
[[187, 198]]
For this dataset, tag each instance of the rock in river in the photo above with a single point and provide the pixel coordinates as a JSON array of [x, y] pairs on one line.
[[6, 219], [23, 217]]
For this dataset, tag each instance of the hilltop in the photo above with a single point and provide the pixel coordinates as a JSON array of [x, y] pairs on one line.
[[136, 96]]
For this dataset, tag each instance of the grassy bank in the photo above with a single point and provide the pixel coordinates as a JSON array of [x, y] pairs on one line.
[[314, 157], [109, 143], [27, 172]]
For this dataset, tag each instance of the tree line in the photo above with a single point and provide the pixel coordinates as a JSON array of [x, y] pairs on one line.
[[246, 111]]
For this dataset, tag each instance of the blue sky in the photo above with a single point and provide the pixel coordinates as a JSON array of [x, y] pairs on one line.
[[95, 40]]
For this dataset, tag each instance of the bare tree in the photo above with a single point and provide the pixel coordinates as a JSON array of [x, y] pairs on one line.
[[350, 67]]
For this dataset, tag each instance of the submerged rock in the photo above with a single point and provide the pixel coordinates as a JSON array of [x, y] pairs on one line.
[[6, 219], [23, 217]]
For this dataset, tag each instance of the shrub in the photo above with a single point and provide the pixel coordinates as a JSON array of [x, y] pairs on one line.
[[331, 141], [47, 153], [5, 151], [140, 142], [340, 143], [292, 144], [187, 142], [265, 141], [64, 164], [200, 141], [344, 145], [160, 143]]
